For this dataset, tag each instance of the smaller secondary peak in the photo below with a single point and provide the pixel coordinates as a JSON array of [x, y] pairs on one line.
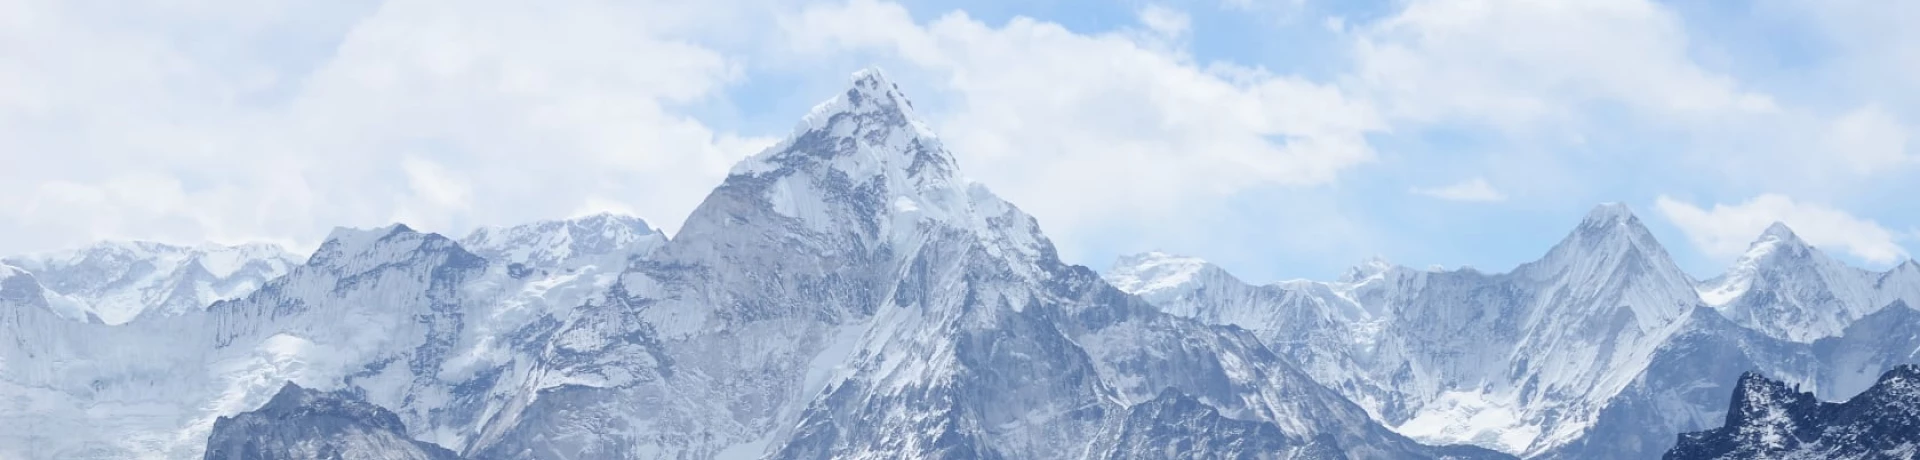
[[1776, 235], [290, 395], [346, 242], [1779, 230], [1610, 213], [1774, 238], [362, 237]]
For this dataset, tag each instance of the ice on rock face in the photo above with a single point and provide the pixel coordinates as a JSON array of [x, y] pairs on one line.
[[555, 243], [119, 281]]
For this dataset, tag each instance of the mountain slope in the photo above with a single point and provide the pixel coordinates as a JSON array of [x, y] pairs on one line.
[[1174, 425], [1617, 385], [1785, 288], [117, 281], [1686, 386], [409, 320], [1769, 419], [300, 423], [1520, 361]]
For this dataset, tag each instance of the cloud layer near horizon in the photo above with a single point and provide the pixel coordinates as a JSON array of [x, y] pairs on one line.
[[1156, 126]]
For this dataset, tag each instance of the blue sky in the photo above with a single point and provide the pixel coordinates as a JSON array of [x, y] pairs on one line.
[[1282, 139]]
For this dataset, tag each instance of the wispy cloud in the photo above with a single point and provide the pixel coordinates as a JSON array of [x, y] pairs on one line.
[[1726, 230], [1476, 189]]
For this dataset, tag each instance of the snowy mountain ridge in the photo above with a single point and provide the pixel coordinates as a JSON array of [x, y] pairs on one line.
[[1533, 361], [117, 281], [550, 243], [848, 293]]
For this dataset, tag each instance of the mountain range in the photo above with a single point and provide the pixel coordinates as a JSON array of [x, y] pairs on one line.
[[848, 293], [1602, 348]]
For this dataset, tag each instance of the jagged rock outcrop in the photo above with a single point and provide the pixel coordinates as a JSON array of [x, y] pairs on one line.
[[1771, 419], [302, 424]]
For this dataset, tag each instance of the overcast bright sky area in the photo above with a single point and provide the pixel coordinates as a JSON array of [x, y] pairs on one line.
[[1281, 139]]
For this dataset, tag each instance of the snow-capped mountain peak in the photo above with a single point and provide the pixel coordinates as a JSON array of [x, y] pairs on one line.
[[1775, 243], [349, 251], [1609, 249], [1609, 232], [863, 132], [1611, 222], [865, 147], [349, 240], [1609, 213], [1788, 289], [1779, 231], [864, 173]]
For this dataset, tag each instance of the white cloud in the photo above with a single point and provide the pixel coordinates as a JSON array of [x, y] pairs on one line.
[[1868, 140], [1560, 72], [286, 119], [1725, 231], [1165, 21], [1514, 62], [1476, 189], [1044, 114], [276, 121]]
